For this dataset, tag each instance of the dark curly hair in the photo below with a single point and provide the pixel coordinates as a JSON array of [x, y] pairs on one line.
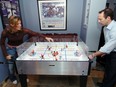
[[108, 12]]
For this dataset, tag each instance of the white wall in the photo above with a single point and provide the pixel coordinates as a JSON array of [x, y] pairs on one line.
[[93, 29]]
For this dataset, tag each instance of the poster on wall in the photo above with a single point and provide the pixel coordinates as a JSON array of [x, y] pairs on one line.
[[52, 14], [8, 8]]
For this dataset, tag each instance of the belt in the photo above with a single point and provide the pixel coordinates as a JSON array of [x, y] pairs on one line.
[[113, 52], [11, 46]]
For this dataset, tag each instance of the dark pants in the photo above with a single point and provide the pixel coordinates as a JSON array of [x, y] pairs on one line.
[[109, 79]]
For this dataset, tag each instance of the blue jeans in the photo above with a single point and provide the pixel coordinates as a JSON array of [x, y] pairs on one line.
[[11, 63]]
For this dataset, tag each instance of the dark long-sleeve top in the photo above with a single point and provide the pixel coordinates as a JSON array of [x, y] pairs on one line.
[[15, 39]]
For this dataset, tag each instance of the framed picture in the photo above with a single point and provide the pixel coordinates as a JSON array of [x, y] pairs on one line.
[[8, 8], [52, 14]]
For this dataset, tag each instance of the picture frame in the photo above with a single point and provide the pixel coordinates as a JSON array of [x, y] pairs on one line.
[[9, 8], [52, 14]]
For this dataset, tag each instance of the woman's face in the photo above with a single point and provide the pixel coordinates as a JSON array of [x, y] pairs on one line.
[[18, 25]]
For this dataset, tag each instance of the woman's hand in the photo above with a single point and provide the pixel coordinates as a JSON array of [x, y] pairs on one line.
[[9, 57], [49, 39]]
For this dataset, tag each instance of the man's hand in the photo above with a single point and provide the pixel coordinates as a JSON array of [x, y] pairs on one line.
[[9, 57], [92, 56], [103, 55], [49, 39], [98, 53]]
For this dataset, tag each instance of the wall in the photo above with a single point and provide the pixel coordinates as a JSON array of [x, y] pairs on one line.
[[112, 3], [29, 12], [93, 29], [3, 67]]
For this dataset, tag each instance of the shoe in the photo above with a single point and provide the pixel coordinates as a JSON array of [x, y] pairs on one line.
[[99, 84], [27, 80], [14, 82]]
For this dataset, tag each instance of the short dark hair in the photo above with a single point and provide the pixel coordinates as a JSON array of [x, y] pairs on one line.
[[108, 12]]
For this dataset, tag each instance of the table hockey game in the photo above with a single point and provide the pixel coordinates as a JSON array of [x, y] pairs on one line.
[[54, 58]]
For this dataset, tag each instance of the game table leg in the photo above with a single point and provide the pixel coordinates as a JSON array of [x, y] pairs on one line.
[[83, 81], [22, 77], [23, 80]]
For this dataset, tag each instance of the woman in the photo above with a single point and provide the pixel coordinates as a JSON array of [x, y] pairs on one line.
[[14, 35]]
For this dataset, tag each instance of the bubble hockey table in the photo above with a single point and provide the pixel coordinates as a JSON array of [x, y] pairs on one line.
[[53, 58]]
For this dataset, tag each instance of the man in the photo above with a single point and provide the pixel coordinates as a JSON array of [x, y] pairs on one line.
[[105, 18]]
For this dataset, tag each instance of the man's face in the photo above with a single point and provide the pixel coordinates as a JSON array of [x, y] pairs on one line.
[[102, 20]]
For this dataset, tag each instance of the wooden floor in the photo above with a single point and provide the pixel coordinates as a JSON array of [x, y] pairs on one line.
[[59, 81]]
